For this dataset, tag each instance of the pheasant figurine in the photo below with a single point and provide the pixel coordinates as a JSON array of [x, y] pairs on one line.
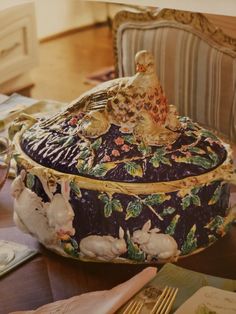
[[135, 104], [140, 93]]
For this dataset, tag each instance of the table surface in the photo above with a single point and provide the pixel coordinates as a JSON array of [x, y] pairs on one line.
[[48, 277]]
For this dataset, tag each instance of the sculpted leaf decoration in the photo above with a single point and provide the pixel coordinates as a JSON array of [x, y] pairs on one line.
[[75, 188], [191, 198], [195, 160], [30, 180], [134, 252], [100, 170], [213, 156], [215, 223], [156, 199], [216, 196], [129, 139], [160, 157], [134, 169], [133, 209], [208, 134], [70, 246], [168, 211], [190, 243], [172, 226], [144, 149], [196, 150], [84, 153], [82, 166], [110, 204], [97, 143]]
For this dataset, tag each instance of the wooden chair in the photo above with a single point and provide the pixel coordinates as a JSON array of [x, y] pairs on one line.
[[195, 62]]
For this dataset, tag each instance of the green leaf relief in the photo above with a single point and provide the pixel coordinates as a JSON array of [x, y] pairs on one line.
[[155, 161], [172, 226], [159, 157], [208, 134], [216, 196], [156, 199], [96, 144], [165, 161], [168, 211], [111, 204], [107, 209], [81, 166], [30, 180], [195, 160], [129, 139], [214, 157], [186, 201], [74, 243], [116, 205], [100, 170], [144, 149], [196, 150], [84, 153], [191, 198], [133, 209], [103, 197], [75, 188], [70, 246], [215, 223], [134, 252], [190, 243], [196, 200], [133, 169], [195, 190], [200, 161]]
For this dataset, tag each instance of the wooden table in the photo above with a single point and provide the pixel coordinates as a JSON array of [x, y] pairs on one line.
[[48, 277]]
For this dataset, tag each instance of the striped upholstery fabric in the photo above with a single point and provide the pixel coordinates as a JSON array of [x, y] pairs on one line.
[[198, 76]]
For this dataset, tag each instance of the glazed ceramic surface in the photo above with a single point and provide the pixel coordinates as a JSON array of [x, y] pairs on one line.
[[119, 176]]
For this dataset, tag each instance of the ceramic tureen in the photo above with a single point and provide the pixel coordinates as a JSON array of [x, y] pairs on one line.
[[119, 176]]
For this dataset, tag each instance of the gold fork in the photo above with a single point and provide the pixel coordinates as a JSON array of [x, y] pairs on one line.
[[165, 301], [162, 306], [134, 307]]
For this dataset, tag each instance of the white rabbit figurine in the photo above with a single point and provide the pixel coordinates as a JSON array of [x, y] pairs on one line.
[[154, 244], [60, 213], [30, 211], [103, 247]]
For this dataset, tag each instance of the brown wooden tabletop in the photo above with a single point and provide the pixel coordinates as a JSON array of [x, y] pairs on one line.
[[48, 277]]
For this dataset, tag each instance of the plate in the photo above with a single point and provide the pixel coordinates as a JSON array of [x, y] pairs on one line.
[[210, 300], [13, 254], [6, 256]]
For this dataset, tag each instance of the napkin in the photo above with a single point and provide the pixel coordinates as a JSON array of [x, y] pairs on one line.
[[102, 302]]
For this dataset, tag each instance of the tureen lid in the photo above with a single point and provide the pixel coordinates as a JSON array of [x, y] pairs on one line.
[[124, 130]]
